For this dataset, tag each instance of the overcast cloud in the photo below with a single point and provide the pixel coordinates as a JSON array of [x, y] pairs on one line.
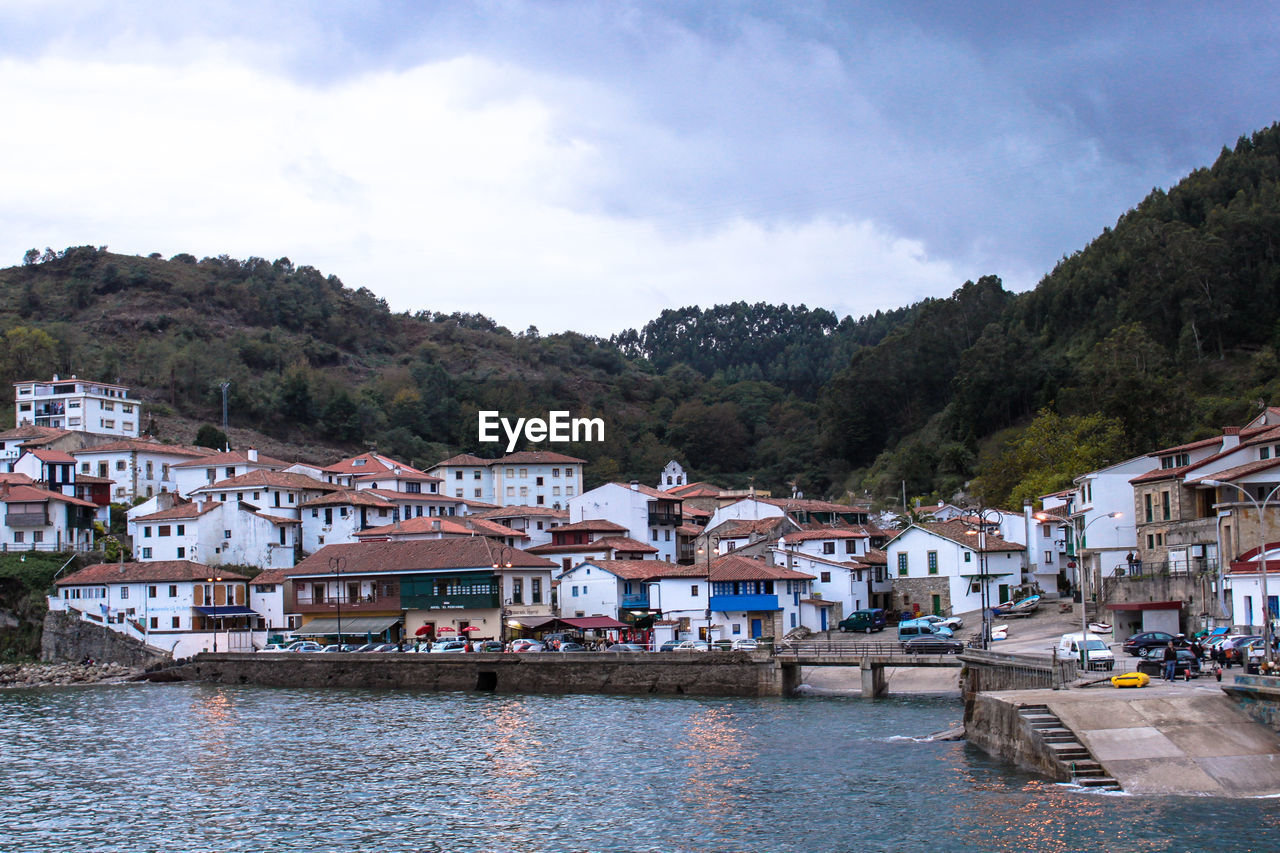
[[586, 164]]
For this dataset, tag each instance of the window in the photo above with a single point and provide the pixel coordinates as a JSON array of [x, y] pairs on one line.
[[182, 529], [457, 475], [231, 472], [155, 622], [457, 493], [535, 591], [517, 591], [850, 546], [37, 536], [693, 590], [555, 472], [1165, 504], [1147, 505], [124, 592], [902, 564], [475, 475], [933, 562], [151, 592], [1048, 557], [182, 553], [163, 530], [119, 464], [524, 473], [17, 536], [173, 590], [568, 490], [828, 547], [511, 472], [826, 577], [108, 424], [84, 467], [575, 592], [653, 534], [177, 621], [146, 553], [537, 481], [524, 491], [511, 491]]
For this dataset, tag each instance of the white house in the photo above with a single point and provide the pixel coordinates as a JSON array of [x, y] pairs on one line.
[[535, 522], [748, 597], [177, 606], [592, 539], [337, 517], [37, 519], [202, 471], [77, 404], [458, 527], [526, 478], [846, 584], [275, 492], [138, 468], [940, 568], [214, 533], [615, 588], [647, 514]]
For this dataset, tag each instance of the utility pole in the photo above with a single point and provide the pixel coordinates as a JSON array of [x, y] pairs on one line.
[[224, 386]]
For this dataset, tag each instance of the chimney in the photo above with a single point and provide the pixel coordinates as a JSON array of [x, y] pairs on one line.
[[253, 454], [435, 524], [635, 485]]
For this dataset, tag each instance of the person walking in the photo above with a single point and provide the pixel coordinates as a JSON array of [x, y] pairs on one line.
[[1170, 662]]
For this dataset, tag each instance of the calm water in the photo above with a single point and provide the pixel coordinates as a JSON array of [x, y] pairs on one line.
[[206, 768]]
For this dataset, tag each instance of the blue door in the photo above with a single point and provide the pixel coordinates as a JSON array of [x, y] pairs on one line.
[[757, 629], [823, 612]]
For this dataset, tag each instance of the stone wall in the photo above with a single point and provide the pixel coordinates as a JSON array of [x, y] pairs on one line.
[[670, 673], [910, 592], [995, 726], [67, 637], [1259, 696]]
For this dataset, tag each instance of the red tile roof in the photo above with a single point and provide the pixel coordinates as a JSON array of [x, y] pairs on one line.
[[160, 570], [1239, 471], [232, 457], [964, 534], [593, 524], [349, 497], [268, 480], [648, 491], [458, 525], [464, 459], [735, 567], [538, 457], [145, 445], [633, 570], [416, 555], [696, 490], [186, 509], [56, 456], [625, 544], [10, 493], [519, 511], [829, 533], [375, 464]]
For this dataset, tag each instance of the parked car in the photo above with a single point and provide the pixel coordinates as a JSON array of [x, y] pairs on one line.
[[955, 623], [745, 645], [448, 646], [572, 647], [275, 647], [1100, 656], [489, 646], [929, 644], [693, 646], [1235, 647], [668, 646], [626, 647], [304, 646], [866, 620], [367, 647], [1153, 665], [918, 627], [1147, 639], [340, 647], [525, 645]]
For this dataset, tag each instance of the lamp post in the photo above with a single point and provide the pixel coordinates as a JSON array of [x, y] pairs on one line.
[[1261, 507], [707, 612], [214, 603], [503, 601], [985, 590], [1077, 536], [337, 564]]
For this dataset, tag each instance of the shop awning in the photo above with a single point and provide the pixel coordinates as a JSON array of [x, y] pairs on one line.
[[594, 623], [1146, 605], [233, 610], [529, 622], [328, 626]]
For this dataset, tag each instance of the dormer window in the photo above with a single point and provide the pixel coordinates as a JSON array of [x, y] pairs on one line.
[[356, 463], [1264, 452]]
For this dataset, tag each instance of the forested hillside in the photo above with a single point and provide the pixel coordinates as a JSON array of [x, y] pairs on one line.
[[1163, 327]]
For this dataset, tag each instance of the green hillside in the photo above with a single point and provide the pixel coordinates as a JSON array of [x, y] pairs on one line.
[[1162, 328]]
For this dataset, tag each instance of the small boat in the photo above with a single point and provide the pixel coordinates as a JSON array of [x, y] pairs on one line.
[[999, 632], [1099, 628], [1030, 604], [1130, 679]]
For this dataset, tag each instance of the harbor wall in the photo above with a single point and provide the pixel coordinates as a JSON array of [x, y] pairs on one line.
[[67, 637], [1258, 696], [671, 673], [994, 725]]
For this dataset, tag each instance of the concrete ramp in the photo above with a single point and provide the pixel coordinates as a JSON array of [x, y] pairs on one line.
[[1172, 739]]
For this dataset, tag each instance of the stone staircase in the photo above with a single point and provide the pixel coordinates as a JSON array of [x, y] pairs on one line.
[[1074, 757]]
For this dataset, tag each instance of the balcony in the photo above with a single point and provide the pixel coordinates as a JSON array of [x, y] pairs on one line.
[[459, 601], [27, 519], [306, 603], [668, 519], [735, 603], [638, 600]]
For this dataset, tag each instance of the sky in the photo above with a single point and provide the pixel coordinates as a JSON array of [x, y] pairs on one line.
[[569, 164]]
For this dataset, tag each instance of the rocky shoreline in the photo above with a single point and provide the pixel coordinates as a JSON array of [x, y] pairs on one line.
[[53, 674]]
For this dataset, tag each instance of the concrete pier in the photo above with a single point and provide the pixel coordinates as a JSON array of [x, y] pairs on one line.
[[1162, 739]]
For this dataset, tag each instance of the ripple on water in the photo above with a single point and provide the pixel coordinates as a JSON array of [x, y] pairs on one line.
[[200, 767]]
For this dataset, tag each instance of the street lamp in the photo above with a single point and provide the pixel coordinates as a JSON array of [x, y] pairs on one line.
[[214, 604], [1261, 507], [337, 564], [985, 591], [503, 601], [707, 614], [1077, 535]]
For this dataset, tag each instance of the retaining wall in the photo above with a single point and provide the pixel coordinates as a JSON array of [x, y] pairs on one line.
[[994, 725], [67, 637], [671, 673], [1259, 697]]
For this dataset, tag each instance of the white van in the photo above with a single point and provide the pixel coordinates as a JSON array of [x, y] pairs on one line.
[[1100, 656]]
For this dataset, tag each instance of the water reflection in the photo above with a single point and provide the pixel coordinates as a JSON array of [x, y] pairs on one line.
[[201, 767]]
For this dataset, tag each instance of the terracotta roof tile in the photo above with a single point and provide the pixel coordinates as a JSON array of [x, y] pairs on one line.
[[416, 555], [160, 570]]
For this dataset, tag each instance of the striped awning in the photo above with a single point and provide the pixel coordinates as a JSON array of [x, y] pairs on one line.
[[327, 626]]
